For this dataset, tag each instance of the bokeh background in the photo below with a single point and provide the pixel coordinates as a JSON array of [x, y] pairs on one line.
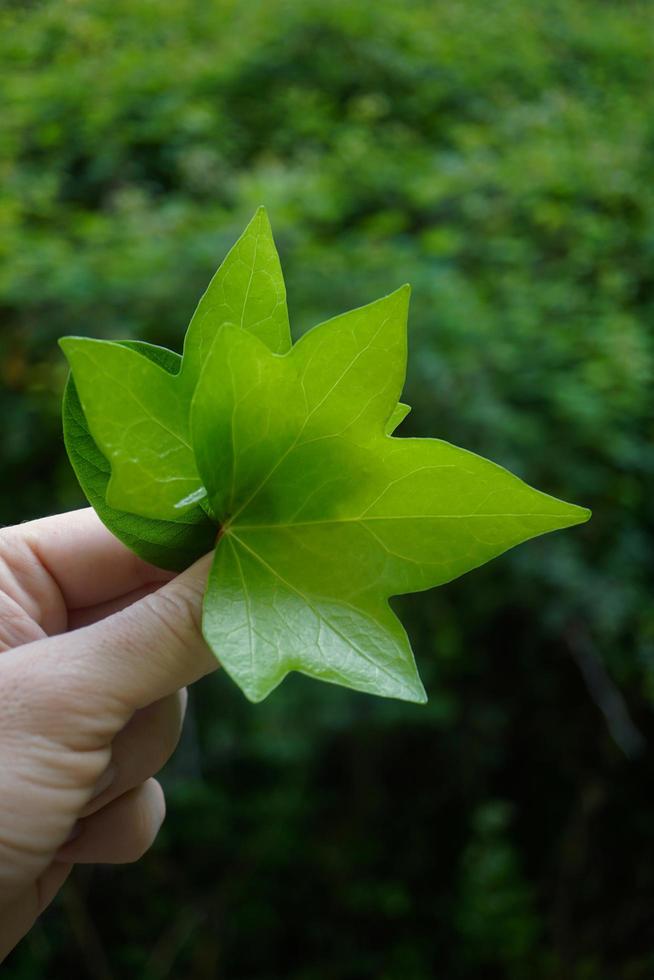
[[498, 156]]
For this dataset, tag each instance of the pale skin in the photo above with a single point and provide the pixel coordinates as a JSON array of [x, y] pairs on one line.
[[96, 650]]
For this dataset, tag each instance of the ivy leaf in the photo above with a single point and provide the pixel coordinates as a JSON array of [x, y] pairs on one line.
[[138, 412], [287, 454], [324, 517], [247, 290], [170, 545]]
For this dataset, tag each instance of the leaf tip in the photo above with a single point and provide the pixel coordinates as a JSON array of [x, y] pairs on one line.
[[69, 345], [419, 695], [261, 216], [398, 300], [573, 514], [584, 514], [65, 342], [413, 690], [403, 293], [256, 693]]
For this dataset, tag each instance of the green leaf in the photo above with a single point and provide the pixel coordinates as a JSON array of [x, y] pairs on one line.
[[264, 626], [352, 368], [139, 413], [247, 290], [324, 519], [322, 515], [169, 545]]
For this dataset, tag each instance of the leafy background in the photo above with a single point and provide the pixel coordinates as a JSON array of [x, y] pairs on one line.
[[498, 157]]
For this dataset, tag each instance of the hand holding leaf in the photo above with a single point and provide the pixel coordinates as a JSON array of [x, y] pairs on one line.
[[284, 454]]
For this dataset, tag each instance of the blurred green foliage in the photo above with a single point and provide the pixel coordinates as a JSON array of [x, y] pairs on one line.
[[499, 157]]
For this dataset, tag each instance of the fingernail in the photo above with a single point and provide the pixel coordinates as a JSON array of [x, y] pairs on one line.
[[105, 781]]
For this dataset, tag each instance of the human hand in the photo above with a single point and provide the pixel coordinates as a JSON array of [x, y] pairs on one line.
[[96, 647]]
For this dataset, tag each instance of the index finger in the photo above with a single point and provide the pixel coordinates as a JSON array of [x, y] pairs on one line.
[[128, 661], [85, 561]]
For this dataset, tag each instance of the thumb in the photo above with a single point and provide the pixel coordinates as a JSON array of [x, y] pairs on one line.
[[141, 654]]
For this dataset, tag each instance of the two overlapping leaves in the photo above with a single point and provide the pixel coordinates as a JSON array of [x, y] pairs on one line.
[[282, 457]]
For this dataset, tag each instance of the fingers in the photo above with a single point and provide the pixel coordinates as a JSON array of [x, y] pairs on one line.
[[105, 672], [121, 832], [77, 618], [88, 564], [142, 748], [151, 649]]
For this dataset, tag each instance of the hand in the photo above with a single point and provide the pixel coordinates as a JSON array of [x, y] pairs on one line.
[[96, 647]]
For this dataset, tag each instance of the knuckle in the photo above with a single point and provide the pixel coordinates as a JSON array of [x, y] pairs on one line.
[[46, 696], [29, 586], [16, 627], [178, 611], [41, 734], [32, 694]]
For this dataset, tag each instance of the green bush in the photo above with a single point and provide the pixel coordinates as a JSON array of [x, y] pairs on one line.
[[499, 158]]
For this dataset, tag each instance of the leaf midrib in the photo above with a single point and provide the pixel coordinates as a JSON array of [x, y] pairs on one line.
[[391, 517]]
